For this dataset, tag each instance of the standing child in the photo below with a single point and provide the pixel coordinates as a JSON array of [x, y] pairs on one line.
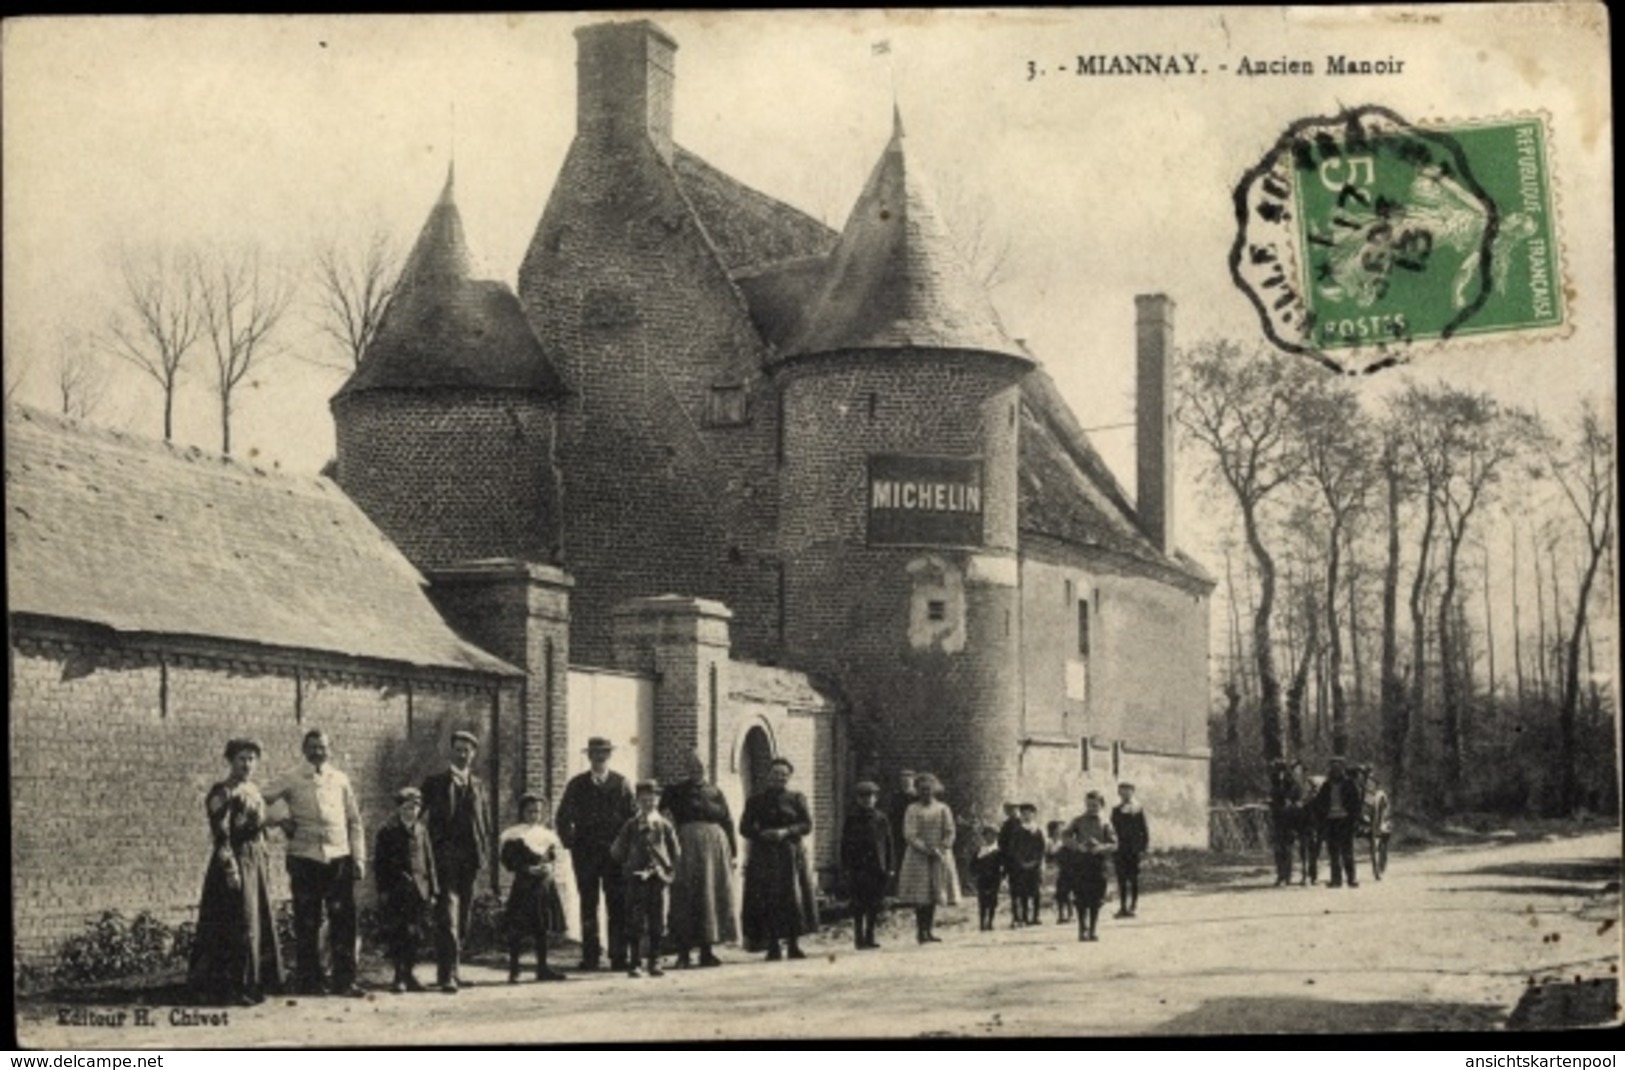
[[1064, 871], [866, 860], [1007, 830], [1090, 837], [647, 852], [530, 851], [988, 870], [407, 885], [1133, 840], [1026, 865]]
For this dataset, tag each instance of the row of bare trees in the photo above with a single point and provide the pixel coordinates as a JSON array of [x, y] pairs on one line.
[[1365, 527], [224, 308]]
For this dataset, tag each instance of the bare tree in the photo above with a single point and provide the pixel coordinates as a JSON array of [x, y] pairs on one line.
[[1463, 442], [353, 288], [241, 300], [81, 379], [1585, 472], [158, 318], [1239, 407], [17, 368], [976, 234], [1338, 450]]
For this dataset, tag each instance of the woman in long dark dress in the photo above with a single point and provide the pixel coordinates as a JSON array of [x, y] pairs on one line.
[[236, 957], [779, 900], [702, 901]]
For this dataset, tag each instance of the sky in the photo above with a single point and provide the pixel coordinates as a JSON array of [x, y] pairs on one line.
[[281, 131]]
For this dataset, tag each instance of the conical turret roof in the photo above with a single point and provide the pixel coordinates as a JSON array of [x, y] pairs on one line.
[[441, 252], [895, 279], [445, 329]]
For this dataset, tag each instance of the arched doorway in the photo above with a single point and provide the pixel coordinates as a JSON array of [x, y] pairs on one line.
[[755, 756]]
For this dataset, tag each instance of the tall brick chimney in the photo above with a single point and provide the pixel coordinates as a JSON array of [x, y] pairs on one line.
[[1154, 417], [624, 81]]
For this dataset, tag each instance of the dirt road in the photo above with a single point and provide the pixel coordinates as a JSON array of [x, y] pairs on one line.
[[1451, 940]]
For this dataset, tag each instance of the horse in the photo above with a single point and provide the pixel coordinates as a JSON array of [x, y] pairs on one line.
[[1296, 822]]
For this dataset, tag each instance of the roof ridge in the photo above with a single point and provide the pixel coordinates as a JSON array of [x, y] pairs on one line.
[[144, 445], [779, 201]]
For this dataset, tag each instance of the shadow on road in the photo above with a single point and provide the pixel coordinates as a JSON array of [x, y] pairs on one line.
[[1559, 1006], [1250, 1014], [1554, 890], [1593, 871]]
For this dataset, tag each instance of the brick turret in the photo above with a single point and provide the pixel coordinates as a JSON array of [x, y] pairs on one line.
[[445, 431], [898, 502]]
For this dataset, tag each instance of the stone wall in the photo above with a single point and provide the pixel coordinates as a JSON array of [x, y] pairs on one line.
[[114, 744]]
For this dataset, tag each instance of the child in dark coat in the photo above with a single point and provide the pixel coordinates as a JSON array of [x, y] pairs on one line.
[[1026, 866], [988, 870], [647, 851], [407, 886], [529, 851], [1090, 837], [866, 862], [1066, 871], [1133, 840]]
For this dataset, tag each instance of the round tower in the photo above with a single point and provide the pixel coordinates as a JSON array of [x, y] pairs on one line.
[[900, 397], [445, 431]]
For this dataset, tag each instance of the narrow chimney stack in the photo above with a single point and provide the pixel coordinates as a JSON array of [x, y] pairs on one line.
[[625, 72], [1154, 417]]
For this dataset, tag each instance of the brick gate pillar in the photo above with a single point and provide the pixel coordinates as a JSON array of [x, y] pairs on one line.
[[684, 644]]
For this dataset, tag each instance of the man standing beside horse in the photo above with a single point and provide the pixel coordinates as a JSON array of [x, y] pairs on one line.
[[1338, 806], [1286, 808]]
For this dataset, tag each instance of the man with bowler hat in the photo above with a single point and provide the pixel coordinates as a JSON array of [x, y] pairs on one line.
[[458, 813], [596, 805]]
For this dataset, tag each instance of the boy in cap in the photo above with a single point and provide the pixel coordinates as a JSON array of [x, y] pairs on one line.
[[988, 869], [458, 814], [596, 805], [530, 850], [646, 850], [866, 860], [407, 885], [1133, 840]]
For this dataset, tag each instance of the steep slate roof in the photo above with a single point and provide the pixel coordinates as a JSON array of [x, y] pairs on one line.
[[895, 278], [444, 329], [780, 294], [1068, 493], [746, 227], [142, 537]]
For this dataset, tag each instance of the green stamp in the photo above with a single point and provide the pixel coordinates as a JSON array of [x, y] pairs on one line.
[[1363, 239]]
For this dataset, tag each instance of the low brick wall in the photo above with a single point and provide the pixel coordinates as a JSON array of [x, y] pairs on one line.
[[114, 745]]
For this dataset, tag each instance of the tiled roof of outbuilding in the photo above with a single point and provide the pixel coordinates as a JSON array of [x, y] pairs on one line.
[[138, 536], [444, 329], [747, 227], [895, 278]]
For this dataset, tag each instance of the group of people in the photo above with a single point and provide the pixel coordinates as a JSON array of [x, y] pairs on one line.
[[1018, 851], [1308, 811], [924, 875], [427, 860], [660, 861]]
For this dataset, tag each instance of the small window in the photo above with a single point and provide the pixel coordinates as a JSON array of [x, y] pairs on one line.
[[1083, 754], [936, 610], [726, 406], [1083, 627], [1071, 592]]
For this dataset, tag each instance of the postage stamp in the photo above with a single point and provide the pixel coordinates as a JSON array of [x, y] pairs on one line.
[[1363, 239]]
